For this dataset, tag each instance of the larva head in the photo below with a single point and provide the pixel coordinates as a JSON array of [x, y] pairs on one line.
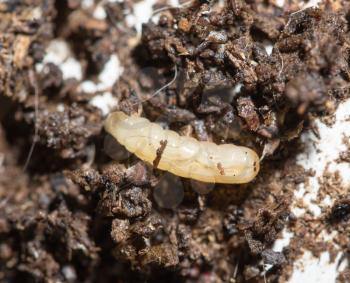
[[252, 166], [234, 164]]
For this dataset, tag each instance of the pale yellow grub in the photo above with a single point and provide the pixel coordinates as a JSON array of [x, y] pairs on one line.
[[183, 156]]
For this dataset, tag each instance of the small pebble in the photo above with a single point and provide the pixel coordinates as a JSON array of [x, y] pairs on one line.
[[114, 149], [169, 192], [69, 273]]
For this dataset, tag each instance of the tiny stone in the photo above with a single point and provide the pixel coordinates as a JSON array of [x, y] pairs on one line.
[[169, 192], [69, 273], [114, 150]]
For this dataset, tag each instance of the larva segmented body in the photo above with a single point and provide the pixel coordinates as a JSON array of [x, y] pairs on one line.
[[183, 156]]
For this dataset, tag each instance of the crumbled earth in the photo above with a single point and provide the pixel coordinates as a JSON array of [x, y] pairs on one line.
[[71, 213]]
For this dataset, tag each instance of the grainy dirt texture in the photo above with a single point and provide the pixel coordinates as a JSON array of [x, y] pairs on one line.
[[72, 213]]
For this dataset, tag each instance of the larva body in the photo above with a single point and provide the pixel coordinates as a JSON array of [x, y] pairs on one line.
[[183, 156]]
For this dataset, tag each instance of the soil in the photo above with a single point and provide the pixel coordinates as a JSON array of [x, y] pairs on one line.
[[69, 212]]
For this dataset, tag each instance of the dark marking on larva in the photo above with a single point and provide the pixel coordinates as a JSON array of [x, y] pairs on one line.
[[221, 169], [159, 153]]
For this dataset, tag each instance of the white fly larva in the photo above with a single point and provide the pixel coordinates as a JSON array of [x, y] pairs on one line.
[[183, 156]]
